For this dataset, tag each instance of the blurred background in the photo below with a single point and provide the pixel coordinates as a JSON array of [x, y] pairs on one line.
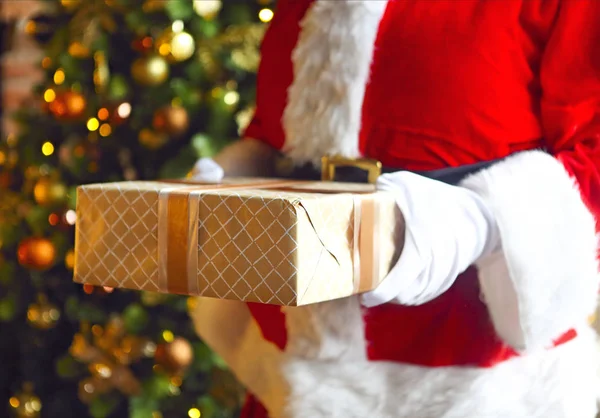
[[99, 91]]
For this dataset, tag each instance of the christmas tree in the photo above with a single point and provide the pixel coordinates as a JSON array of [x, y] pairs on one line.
[[134, 89]]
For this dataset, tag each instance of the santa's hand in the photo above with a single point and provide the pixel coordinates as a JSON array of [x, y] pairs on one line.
[[207, 170], [448, 228]]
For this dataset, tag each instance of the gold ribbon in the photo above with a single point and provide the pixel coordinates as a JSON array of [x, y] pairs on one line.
[[178, 231], [178, 244], [367, 237]]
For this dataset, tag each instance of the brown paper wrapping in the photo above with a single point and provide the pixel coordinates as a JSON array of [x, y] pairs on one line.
[[268, 241]]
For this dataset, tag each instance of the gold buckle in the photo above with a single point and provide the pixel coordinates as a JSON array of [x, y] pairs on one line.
[[330, 164]]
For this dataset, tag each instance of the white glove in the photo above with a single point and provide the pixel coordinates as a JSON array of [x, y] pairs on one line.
[[207, 170], [448, 228]]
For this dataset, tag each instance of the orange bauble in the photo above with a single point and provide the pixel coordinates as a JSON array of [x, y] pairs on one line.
[[175, 356], [173, 120], [36, 253], [68, 105]]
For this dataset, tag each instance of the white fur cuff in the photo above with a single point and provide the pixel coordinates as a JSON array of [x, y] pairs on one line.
[[546, 279]]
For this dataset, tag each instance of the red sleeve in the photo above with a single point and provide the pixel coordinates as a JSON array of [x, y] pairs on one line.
[[570, 108], [276, 73], [545, 281]]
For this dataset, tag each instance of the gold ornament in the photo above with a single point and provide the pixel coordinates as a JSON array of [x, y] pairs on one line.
[[208, 9], [173, 120], [68, 105], [26, 404], [36, 253], [152, 140], [151, 70], [108, 352], [227, 95], [43, 314], [176, 45], [49, 192], [175, 356]]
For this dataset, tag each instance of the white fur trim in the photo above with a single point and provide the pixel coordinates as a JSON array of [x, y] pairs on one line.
[[332, 331], [546, 279], [558, 383], [332, 61], [324, 372]]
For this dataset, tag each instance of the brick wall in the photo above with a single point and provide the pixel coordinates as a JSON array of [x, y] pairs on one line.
[[19, 58]]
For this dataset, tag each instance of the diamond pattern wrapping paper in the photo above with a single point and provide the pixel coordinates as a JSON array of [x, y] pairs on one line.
[[268, 241]]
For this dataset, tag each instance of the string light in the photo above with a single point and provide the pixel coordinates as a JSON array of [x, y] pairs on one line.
[[70, 259], [147, 42], [59, 76], [164, 49], [92, 124], [103, 114], [265, 15], [124, 110], [49, 95], [47, 149], [168, 336], [194, 413], [177, 26], [30, 27], [231, 97], [77, 49], [71, 217], [53, 219], [207, 8], [105, 129]]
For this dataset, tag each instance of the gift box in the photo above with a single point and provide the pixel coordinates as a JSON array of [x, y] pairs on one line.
[[257, 240]]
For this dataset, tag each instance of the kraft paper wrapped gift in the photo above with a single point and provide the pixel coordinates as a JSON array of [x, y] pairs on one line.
[[269, 241]]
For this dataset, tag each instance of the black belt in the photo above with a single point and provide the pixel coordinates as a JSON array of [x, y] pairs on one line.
[[348, 174]]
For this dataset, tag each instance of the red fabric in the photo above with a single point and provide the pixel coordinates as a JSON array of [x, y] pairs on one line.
[[452, 83], [458, 330], [253, 409], [272, 322]]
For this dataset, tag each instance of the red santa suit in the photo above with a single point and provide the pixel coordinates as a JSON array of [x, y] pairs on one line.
[[423, 85]]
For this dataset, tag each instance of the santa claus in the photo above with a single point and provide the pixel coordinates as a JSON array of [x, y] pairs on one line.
[[485, 116]]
